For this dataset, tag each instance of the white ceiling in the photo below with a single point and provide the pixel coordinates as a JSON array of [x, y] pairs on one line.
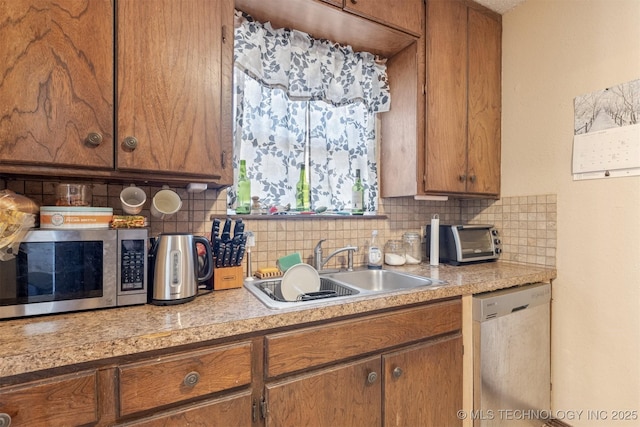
[[500, 6]]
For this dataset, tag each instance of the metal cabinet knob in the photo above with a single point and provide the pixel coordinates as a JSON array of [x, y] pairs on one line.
[[354, 1], [93, 140], [130, 143], [462, 178], [372, 377], [472, 178], [5, 419], [397, 372], [191, 379]]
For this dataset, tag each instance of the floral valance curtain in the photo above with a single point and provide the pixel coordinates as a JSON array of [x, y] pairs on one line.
[[307, 68], [299, 100]]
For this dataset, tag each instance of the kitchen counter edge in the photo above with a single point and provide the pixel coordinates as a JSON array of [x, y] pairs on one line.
[[46, 342]]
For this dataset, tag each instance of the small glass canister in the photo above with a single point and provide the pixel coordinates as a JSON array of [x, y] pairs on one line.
[[395, 253], [413, 245]]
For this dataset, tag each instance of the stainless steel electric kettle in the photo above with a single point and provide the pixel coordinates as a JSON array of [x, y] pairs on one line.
[[174, 268]]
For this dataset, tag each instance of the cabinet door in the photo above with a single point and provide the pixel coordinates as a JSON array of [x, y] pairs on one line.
[[170, 86], [406, 16], [446, 115], [423, 384], [231, 411], [62, 401], [485, 53], [345, 395], [56, 90]]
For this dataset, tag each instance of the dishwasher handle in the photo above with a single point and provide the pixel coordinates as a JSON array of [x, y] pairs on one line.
[[504, 302]]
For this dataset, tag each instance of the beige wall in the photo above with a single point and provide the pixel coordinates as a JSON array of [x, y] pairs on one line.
[[554, 51]]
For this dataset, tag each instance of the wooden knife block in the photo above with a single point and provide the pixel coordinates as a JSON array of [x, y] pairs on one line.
[[227, 277]]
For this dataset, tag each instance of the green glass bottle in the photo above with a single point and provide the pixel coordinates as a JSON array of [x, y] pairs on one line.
[[357, 196], [243, 202], [303, 199]]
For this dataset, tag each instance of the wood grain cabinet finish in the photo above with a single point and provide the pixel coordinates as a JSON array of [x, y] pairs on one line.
[[345, 395], [423, 384], [307, 348], [463, 106], [229, 411], [56, 89], [66, 400], [407, 16], [402, 368], [170, 119], [165, 381], [170, 99], [442, 135]]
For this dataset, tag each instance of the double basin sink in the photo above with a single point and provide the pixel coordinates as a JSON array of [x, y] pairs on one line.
[[341, 285]]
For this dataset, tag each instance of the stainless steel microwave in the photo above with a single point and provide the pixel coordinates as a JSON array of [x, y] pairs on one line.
[[57, 271], [464, 244]]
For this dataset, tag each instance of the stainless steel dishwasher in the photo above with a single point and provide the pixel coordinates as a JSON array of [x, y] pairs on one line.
[[512, 375]]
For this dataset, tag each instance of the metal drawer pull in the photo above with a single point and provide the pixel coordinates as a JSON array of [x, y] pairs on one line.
[[5, 420], [93, 140], [397, 373], [372, 377], [130, 143], [191, 379]]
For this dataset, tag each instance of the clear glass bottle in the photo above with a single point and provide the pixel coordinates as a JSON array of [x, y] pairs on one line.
[[395, 253], [374, 260], [357, 196], [243, 202], [413, 245], [303, 200]]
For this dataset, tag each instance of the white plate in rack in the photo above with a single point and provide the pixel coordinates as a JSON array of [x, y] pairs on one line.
[[299, 279]]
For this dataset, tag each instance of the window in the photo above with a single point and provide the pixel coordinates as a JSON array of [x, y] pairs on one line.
[[298, 100]]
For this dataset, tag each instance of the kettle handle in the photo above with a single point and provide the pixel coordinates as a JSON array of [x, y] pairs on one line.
[[209, 263]]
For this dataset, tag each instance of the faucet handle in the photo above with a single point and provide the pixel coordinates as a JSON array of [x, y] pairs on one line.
[[319, 245]]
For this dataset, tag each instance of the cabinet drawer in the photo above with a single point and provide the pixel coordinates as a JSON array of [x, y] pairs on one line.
[[230, 411], [292, 351], [61, 401], [163, 381]]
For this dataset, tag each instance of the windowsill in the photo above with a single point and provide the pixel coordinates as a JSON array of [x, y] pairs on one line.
[[290, 217]]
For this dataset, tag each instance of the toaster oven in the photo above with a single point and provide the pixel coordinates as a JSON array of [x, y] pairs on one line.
[[465, 244]]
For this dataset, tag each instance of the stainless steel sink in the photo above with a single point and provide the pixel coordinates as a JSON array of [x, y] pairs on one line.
[[339, 286], [268, 292], [381, 280]]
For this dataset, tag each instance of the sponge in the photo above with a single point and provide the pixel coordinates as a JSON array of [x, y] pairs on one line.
[[286, 262]]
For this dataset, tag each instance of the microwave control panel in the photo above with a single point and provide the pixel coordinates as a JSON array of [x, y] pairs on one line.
[[132, 262]]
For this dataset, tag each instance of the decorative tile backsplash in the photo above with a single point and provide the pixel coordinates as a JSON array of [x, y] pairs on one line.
[[527, 224]]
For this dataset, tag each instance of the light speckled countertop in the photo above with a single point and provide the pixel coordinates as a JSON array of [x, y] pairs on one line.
[[32, 344]]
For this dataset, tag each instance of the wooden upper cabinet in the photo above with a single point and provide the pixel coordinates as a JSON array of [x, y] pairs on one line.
[[170, 91], [407, 15], [56, 84], [485, 103], [442, 134], [463, 106], [446, 120]]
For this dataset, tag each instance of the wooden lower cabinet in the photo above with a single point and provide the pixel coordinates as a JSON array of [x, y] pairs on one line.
[[423, 384], [401, 368], [65, 400], [345, 395], [230, 411]]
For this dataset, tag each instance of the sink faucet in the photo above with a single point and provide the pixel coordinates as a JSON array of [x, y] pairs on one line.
[[318, 262]]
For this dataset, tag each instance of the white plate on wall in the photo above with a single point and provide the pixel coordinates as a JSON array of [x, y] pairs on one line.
[[299, 279]]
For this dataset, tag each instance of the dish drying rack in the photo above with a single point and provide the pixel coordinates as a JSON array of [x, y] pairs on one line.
[[328, 289]]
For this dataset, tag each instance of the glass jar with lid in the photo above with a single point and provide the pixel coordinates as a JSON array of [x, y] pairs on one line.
[[413, 246], [395, 253]]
